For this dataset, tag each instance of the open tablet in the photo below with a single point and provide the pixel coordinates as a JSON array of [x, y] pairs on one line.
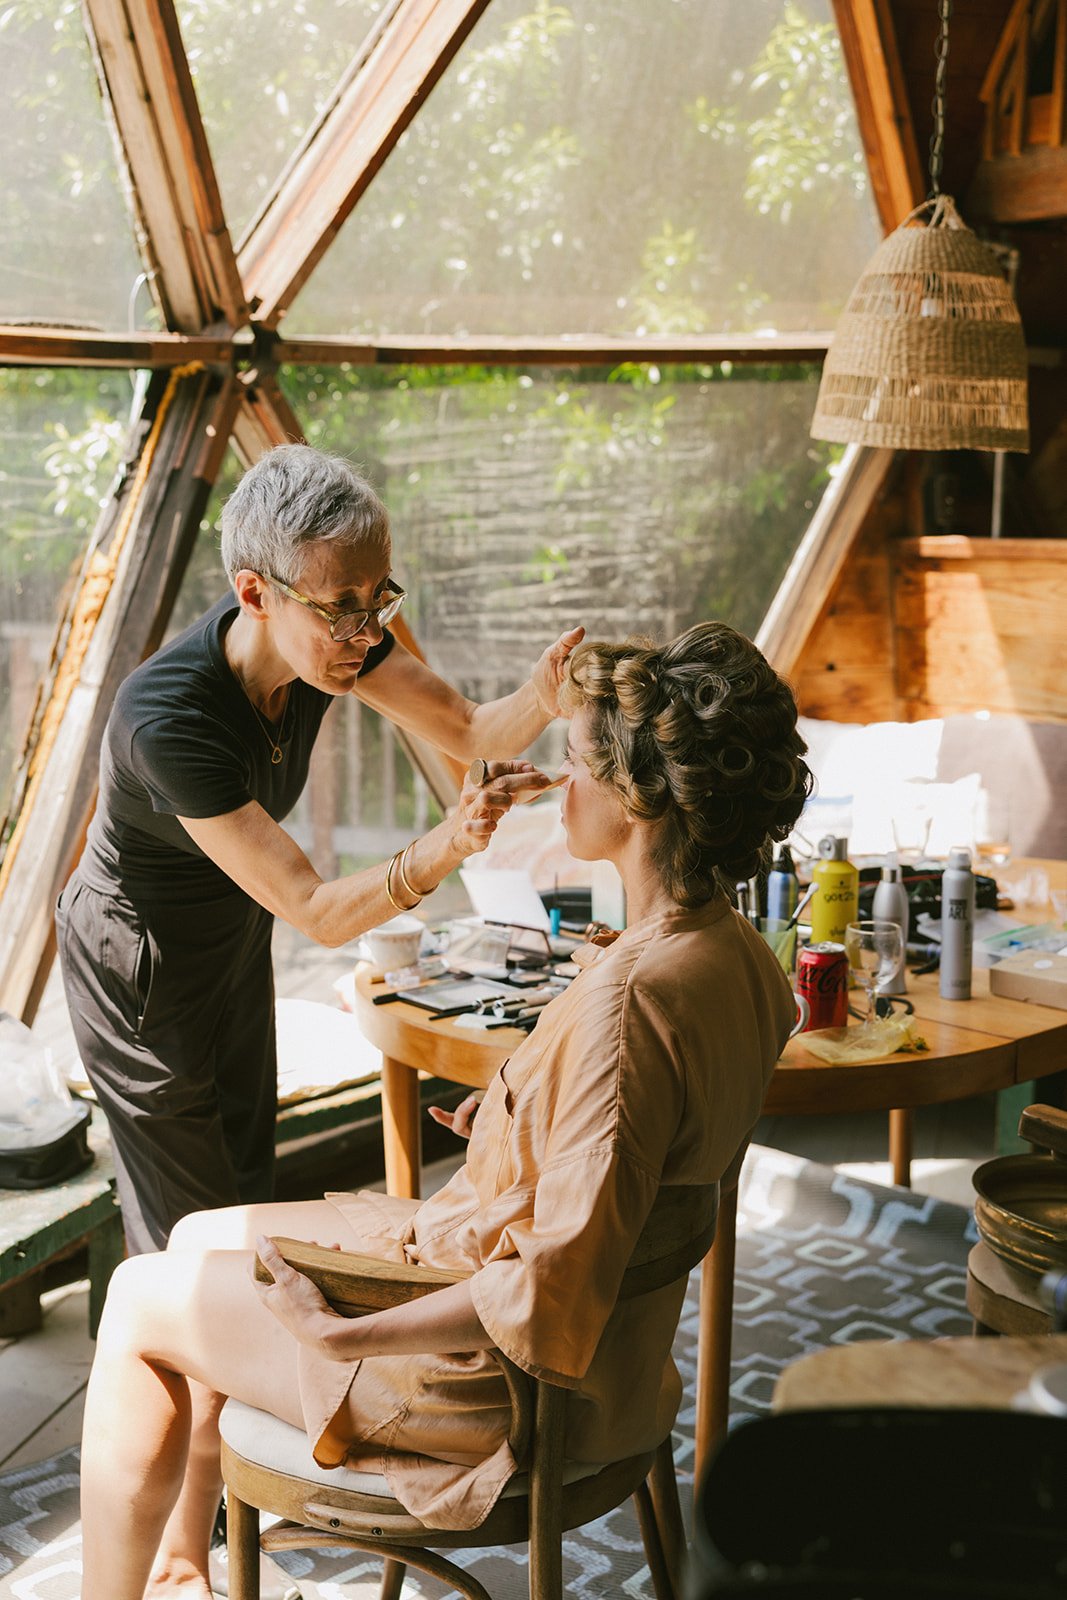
[[447, 997]]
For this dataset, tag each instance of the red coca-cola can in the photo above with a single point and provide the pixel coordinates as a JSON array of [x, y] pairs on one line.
[[822, 979]]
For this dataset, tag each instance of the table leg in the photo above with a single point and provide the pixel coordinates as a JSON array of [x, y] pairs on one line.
[[715, 1337], [901, 1128], [401, 1129]]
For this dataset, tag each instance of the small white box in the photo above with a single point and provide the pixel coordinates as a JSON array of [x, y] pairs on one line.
[[1037, 975]]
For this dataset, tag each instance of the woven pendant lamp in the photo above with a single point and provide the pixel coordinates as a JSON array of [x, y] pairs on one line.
[[929, 353]]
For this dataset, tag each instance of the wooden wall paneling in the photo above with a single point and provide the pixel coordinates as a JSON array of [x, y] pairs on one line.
[[868, 42], [145, 79], [980, 626], [116, 618], [319, 190]]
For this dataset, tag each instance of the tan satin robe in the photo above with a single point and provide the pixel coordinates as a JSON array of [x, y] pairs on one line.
[[649, 1070]]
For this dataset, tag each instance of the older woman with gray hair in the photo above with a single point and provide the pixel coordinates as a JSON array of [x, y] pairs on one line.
[[165, 927]]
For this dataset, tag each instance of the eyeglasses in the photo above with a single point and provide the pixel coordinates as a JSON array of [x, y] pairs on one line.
[[345, 624]]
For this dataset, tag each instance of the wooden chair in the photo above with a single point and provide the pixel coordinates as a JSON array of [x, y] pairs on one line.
[[268, 1466]]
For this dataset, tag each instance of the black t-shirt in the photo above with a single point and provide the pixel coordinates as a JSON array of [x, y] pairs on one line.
[[183, 740]]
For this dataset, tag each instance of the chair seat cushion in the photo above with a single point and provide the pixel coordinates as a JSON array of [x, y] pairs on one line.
[[268, 1442]]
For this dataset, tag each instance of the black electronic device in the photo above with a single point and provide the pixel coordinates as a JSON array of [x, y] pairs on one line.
[[448, 997]]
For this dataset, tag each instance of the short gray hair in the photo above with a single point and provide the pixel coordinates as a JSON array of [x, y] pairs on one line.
[[296, 496]]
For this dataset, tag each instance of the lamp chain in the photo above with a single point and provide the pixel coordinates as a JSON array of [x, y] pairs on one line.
[[937, 105]]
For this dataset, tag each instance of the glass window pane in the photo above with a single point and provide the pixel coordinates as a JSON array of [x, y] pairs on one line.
[[62, 435], [615, 166], [524, 502], [263, 73], [69, 253]]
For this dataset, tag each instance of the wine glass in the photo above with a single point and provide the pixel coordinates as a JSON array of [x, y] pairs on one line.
[[875, 951]]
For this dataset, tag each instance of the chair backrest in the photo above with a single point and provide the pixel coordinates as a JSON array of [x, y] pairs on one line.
[[677, 1234]]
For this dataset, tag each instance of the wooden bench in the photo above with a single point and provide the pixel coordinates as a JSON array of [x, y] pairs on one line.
[[39, 1226]]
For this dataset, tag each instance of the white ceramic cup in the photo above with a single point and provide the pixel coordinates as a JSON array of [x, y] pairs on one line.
[[803, 1014], [395, 943]]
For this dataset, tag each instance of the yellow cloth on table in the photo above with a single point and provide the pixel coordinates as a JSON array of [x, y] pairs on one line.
[[882, 1038]]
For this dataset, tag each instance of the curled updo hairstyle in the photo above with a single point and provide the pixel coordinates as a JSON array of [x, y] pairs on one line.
[[699, 735]]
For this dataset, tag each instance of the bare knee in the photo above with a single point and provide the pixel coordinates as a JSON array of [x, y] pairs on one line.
[[223, 1229], [130, 1296]]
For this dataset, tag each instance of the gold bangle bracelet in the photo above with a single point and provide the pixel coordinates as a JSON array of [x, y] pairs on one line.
[[393, 901], [404, 877]]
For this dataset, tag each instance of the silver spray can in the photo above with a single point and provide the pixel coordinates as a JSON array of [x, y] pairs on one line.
[[957, 926], [891, 905]]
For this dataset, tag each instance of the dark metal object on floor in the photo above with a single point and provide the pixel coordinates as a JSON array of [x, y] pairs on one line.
[[1021, 1201], [881, 1517]]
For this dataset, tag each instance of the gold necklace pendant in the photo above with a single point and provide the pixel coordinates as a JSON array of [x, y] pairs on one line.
[[277, 754]]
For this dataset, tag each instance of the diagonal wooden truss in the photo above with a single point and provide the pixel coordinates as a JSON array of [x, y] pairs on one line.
[[211, 384]]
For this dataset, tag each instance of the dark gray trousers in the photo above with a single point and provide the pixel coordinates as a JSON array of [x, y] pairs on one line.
[[173, 1013]]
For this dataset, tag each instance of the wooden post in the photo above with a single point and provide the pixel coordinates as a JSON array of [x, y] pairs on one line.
[[715, 1338], [901, 1127], [401, 1128]]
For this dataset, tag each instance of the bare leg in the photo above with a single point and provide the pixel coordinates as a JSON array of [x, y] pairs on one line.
[[231, 1228], [182, 1555], [166, 1323]]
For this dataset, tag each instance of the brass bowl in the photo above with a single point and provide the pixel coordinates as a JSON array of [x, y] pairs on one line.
[[1021, 1210]]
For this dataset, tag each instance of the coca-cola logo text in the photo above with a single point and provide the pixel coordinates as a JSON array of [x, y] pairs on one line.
[[822, 978]]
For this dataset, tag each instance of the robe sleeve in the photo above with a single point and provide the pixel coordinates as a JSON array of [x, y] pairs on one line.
[[554, 1255]]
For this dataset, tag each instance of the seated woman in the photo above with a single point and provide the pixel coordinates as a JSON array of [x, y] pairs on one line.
[[683, 762]]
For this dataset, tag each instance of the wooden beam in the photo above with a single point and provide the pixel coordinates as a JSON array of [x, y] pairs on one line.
[[586, 351], [145, 78], [116, 617], [821, 556], [1005, 44], [264, 420], [1058, 97], [317, 192], [1019, 82], [63, 347], [868, 41]]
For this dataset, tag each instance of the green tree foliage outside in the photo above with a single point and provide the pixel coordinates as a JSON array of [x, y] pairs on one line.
[[667, 167], [626, 498]]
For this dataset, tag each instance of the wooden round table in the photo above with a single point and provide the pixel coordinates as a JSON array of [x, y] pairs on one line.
[[985, 1043]]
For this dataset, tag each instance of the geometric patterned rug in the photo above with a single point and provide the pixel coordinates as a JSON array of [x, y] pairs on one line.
[[822, 1259]]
